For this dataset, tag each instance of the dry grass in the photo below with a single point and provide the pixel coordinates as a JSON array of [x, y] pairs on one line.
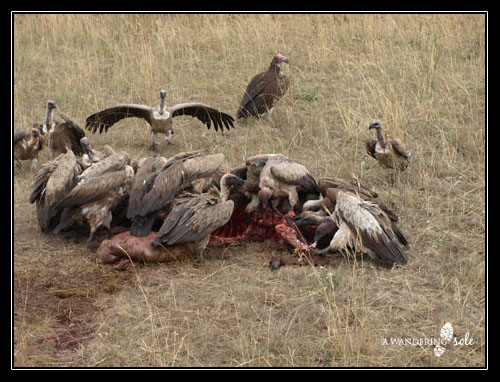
[[423, 75]]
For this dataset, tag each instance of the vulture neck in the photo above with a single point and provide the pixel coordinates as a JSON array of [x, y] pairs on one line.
[[274, 68], [162, 105], [381, 137], [224, 189], [48, 118]]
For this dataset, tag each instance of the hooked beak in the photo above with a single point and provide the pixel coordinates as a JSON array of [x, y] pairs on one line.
[[373, 125]]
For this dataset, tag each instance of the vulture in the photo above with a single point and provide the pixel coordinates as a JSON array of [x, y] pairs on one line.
[[159, 118], [364, 226], [282, 178], [264, 90], [27, 145], [195, 216], [63, 135], [389, 153], [51, 184], [157, 182], [96, 194]]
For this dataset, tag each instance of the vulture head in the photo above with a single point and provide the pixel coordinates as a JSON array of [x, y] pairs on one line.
[[163, 93], [265, 194], [374, 125], [279, 58], [51, 104], [35, 132]]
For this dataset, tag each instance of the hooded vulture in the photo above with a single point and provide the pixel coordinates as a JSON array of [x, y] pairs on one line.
[[96, 194], [195, 216], [264, 90], [282, 178], [63, 135], [157, 182], [159, 118], [389, 153], [27, 144], [367, 227]]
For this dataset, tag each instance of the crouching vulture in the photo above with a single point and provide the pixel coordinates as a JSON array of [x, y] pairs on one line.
[[264, 90], [283, 178], [389, 153], [364, 226], [159, 118], [158, 180], [27, 145], [195, 216]]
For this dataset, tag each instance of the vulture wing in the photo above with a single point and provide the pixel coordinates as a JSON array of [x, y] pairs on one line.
[[351, 185], [294, 173], [20, 135], [202, 166], [195, 218], [370, 225], [104, 119], [206, 114], [112, 162], [399, 148], [370, 144]]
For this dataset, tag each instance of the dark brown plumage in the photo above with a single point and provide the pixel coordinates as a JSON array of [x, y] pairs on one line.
[[389, 153], [27, 144], [195, 216], [159, 118], [264, 90], [157, 182]]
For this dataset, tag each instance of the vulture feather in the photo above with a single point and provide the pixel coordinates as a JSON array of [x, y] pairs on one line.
[[195, 216], [264, 90], [27, 145], [159, 118], [389, 153]]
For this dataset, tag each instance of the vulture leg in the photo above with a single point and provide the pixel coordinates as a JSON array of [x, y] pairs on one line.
[[168, 137], [152, 147]]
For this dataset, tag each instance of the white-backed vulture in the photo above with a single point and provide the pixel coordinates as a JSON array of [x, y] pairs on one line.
[[264, 90], [27, 144], [159, 118], [365, 227], [92, 156], [389, 153], [195, 216], [54, 180], [61, 135], [157, 182], [95, 196], [283, 178]]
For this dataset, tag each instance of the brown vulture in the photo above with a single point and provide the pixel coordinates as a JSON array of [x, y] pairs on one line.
[[390, 153], [96, 194], [61, 135], [195, 216], [27, 145], [264, 90], [54, 180], [283, 178], [157, 182], [159, 118], [365, 226]]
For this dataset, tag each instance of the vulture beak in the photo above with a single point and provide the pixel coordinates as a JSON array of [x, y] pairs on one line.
[[35, 132], [234, 180], [374, 125], [265, 194], [51, 104]]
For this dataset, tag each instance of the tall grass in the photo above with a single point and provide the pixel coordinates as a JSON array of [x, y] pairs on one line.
[[422, 75]]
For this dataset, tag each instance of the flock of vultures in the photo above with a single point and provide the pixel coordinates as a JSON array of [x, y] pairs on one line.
[[157, 208]]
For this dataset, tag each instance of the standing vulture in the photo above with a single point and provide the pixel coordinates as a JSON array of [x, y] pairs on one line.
[[27, 145], [157, 182], [64, 135], [264, 90], [366, 227], [390, 153], [159, 118], [282, 178], [194, 217]]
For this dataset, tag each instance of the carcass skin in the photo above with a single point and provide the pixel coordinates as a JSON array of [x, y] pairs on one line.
[[123, 248]]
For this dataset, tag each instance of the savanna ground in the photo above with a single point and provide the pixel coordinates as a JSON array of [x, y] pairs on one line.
[[422, 75]]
